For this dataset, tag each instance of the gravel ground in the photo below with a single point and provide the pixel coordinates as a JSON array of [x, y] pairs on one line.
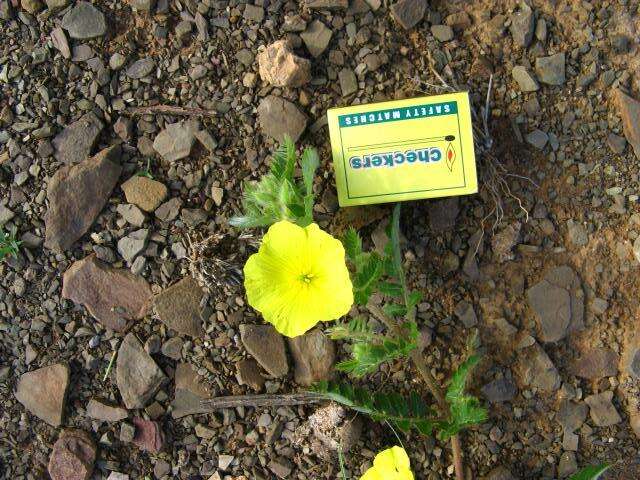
[[126, 132]]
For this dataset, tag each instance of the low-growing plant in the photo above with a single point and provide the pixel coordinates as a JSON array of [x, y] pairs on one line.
[[9, 245], [301, 275], [592, 472]]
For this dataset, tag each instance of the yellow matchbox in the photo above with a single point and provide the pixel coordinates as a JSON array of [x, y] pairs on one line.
[[403, 150]]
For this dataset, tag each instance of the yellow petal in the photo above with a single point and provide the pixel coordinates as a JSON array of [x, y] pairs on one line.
[[275, 278], [390, 464]]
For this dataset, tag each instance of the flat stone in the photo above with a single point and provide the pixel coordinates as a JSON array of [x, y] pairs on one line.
[[44, 392], [525, 79], [169, 210], [75, 142], [571, 415], [629, 109], [60, 42], [175, 141], [266, 345], [73, 456], [133, 244], [577, 233], [603, 412], [137, 375], [348, 81], [5, 214], [327, 4], [522, 25], [280, 67], [443, 33], [248, 373], [501, 390], [631, 356], [558, 304], [279, 117], [84, 21], [616, 143], [567, 464], [408, 13], [596, 363], [466, 314], [149, 436], [281, 467], [313, 355], [187, 378], [537, 138], [144, 192], [76, 195], [143, 5], [499, 473], [178, 307], [141, 68], [535, 369], [551, 70], [172, 348], [113, 296], [105, 412], [131, 214], [117, 476], [316, 37]]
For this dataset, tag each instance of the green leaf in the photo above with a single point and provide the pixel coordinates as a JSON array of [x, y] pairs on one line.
[[592, 472], [366, 278], [368, 353], [356, 329], [405, 413], [8, 244], [284, 160], [352, 244], [391, 289], [310, 162], [394, 310]]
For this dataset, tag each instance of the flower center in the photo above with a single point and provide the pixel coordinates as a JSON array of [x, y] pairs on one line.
[[306, 277]]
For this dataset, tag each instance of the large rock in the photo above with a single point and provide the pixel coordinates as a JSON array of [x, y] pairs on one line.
[[144, 192], [115, 297], [44, 392], [137, 375], [175, 141], [73, 456], [84, 21], [279, 117], [179, 307], [558, 304], [279, 66], [595, 363], [408, 13], [313, 355], [630, 113], [551, 69], [266, 345], [76, 196], [75, 142], [535, 369], [316, 37]]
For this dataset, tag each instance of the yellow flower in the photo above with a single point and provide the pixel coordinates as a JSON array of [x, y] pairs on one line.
[[391, 464], [298, 278]]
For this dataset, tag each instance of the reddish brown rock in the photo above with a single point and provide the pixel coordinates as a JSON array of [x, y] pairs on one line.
[[313, 354], [190, 390], [144, 192], [280, 67], [73, 456], [149, 435], [105, 412], [596, 363], [630, 113], [115, 297], [44, 392], [179, 307], [77, 194]]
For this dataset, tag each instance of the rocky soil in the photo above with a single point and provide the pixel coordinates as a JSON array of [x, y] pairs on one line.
[[126, 131]]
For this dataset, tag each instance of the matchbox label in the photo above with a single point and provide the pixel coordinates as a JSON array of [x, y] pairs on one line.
[[403, 150]]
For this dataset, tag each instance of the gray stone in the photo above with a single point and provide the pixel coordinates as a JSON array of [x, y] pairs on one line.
[[44, 392], [537, 138], [281, 467], [175, 141], [248, 373], [76, 195], [525, 79], [141, 68], [178, 307], [105, 412], [137, 375], [134, 243], [603, 412], [253, 13], [571, 415], [267, 347], [74, 144], [172, 348], [551, 70], [279, 117], [5, 214], [114, 297], [577, 233], [313, 355], [616, 143], [535, 369], [316, 37], [499, 473], [84, 21], [132, 214], [567, 465], [596, 363], [60, 42], [327, 4], [522, 25], [501, 390], [466, 314], [558, 304], [348, 82], [169, 210], [117, 61], [443, 33], [408, 13]]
